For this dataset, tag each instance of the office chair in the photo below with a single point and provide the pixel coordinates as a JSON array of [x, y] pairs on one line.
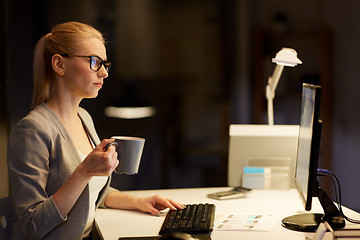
[[7, 214]]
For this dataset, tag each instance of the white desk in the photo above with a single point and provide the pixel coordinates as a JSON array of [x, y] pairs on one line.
[[113, 224]]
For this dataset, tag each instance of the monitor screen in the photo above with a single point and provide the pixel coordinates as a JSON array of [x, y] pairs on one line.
[[308, 144]]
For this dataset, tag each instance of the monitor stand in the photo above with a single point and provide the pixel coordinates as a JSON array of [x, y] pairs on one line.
[[309, 222]]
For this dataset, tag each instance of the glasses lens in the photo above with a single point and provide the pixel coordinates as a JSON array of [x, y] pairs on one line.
[[107, 65], [95, 63]]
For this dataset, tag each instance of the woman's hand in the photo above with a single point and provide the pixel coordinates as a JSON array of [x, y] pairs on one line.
[[157, 203], [98, 163], [101, 161]]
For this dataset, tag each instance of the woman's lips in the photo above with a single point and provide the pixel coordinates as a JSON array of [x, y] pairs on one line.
[[99, 85]]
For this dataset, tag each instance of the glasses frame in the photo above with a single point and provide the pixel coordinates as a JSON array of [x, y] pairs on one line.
[[106, 64]]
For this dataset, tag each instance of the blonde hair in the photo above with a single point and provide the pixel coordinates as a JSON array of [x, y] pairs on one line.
[[65, 38]]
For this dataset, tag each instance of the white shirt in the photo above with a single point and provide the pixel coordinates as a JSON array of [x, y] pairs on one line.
[[95, 185]]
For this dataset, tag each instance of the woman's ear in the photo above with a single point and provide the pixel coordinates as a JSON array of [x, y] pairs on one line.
[[57, 62]]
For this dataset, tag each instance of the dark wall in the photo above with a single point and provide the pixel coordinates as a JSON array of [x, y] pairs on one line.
[[175, 63]]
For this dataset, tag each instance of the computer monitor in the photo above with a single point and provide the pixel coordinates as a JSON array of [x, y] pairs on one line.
[[306, 170]]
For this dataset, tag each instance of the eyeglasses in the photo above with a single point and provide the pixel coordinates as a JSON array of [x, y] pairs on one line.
[[95, 62]]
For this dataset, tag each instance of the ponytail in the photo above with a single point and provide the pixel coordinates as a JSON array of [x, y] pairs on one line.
[[41, 85]]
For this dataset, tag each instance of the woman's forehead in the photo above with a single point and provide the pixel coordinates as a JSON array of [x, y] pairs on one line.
[[93, 46]]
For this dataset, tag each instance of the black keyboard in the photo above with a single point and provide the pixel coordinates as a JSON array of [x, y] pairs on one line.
[[194, 218]]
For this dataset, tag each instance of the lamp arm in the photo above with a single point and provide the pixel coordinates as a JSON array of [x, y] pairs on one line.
[[270, 91], [274, 79]]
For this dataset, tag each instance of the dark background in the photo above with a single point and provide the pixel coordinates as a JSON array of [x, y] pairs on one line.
[[204, 65]]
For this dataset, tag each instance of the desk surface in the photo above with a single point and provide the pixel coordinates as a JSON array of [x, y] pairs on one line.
[[113, 224]]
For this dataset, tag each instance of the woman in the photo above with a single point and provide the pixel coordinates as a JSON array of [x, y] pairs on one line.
[[59, 170]]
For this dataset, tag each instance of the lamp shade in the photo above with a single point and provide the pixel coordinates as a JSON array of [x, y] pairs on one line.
[[287, 57]]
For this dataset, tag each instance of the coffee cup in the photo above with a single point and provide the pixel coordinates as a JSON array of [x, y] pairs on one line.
[[129, 151]]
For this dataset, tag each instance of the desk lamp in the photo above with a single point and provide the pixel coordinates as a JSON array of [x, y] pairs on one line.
[[285, 57]]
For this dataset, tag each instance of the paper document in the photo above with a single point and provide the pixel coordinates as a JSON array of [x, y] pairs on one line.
[[244, 221]]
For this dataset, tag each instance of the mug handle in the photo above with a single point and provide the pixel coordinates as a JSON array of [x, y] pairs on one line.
[[115, 144]]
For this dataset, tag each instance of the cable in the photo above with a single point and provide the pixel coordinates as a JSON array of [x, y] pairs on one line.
[[337, 189], [327, 173]]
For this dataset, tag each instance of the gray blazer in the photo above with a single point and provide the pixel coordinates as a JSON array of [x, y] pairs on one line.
[[41, 157]]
